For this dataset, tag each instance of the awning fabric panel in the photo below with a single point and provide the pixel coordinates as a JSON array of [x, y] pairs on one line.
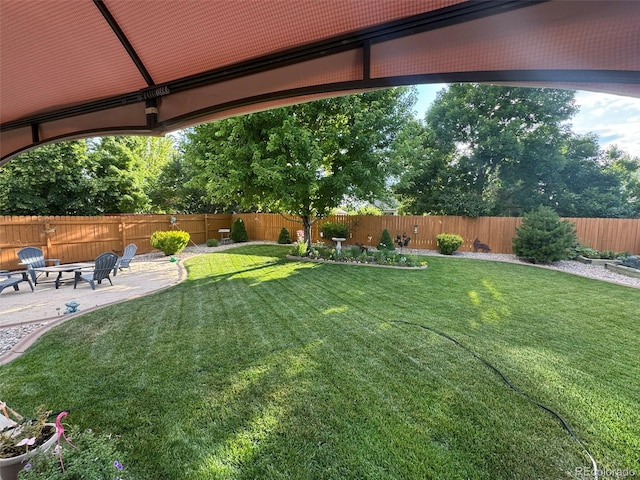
[[553, 35], [73, 69]]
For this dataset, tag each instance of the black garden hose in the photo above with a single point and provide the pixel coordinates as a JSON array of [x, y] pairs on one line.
[[510, 385]]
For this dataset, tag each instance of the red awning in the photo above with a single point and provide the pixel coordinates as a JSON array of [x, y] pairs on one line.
[[71, 69]]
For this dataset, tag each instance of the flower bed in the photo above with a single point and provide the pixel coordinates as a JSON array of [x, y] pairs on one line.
[[359, 255]]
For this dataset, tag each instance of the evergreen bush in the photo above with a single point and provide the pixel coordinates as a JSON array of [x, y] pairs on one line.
[[385, 241], [285, 237], [170, 242], [239, 232], [212, 242], [448, 243], [543, 237], [331, 230]]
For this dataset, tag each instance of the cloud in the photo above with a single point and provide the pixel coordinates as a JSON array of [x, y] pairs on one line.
[[615, 119]]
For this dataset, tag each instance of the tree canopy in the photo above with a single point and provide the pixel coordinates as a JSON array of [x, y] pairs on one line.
[[494, 150], [302, 160], [106, 175], [480, 150], [54, 179]]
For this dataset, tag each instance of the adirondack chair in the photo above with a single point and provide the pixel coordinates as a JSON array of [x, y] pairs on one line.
[[125, 259], [32, 257], [102, 268]]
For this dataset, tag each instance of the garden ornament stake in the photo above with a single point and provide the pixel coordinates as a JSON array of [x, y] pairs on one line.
[[60, 433]]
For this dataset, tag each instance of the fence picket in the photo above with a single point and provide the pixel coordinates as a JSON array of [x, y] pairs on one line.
[[73, 239]]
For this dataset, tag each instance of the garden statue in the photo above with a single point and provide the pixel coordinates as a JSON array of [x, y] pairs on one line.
[[72, 307], [402, 240], [478, 245]]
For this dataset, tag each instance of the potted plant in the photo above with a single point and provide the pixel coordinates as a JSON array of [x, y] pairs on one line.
[[37, 449], [91, 455], [20, 439]]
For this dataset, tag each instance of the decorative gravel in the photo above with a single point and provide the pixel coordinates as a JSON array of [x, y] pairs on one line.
[[598, 272], [12, 335]]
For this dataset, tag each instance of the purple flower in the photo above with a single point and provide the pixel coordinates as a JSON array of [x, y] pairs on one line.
[[27, 466], [118, 465]]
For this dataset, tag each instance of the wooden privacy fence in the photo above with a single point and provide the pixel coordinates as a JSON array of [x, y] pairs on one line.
[[74, 239], [621, 235], [77, 239]]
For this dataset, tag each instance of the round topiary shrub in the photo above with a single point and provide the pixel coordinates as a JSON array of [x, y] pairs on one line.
[[331, 230], [543, 237], [170, 242], [285, 237], [448, 243], [213, 242], [385, 241], [238, 231]]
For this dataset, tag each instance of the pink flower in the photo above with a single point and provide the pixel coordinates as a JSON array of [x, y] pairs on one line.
[[26, 441]]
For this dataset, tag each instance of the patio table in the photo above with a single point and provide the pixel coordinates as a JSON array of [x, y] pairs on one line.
[[60, 269], [13, 281]]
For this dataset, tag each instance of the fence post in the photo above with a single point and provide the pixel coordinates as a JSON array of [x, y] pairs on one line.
[[47, 235], [123, 225]]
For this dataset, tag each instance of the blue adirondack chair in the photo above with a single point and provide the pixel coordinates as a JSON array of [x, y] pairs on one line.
[[125, 259], [101, 270], [32, 257]]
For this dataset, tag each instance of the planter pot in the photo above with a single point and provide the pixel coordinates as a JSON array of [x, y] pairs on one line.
[[9, 467]]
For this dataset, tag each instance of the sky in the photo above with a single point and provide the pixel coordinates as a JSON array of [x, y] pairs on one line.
[[614, 119]]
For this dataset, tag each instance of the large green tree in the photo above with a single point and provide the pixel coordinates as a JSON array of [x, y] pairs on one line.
[[106, 175], [433, 180], [126, 170], [493, 150], [179, 189], [305, 159], [54, 179], [506, 139]]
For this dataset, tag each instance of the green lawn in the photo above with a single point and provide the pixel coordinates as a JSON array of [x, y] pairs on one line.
[[260, 367]]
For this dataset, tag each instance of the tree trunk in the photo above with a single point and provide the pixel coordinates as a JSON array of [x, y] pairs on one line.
[[306, 222]]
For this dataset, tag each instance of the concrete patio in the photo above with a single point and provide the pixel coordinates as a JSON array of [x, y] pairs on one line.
[[38, 311]]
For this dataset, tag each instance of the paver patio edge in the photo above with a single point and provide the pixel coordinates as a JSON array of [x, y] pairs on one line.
[[24, 343]]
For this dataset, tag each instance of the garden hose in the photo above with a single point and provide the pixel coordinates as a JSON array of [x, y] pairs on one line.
[[488, 364], [511, 386]]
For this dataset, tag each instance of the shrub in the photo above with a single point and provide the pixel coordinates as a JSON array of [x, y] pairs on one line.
[[587, 252], [238, 231], [368, 210], [331, 230], [448, 243], [212, 242], [543, 237], [285, 237], [301, 248], [631, 261], [385, 241], [170, 242]]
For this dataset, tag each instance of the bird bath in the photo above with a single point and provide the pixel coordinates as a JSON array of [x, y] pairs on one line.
[[339, 243]]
